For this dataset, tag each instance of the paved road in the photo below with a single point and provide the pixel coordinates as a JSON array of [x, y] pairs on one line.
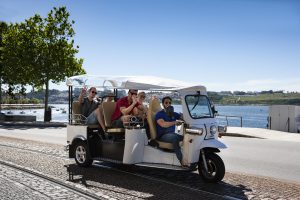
[[264, 157], [50, 135]]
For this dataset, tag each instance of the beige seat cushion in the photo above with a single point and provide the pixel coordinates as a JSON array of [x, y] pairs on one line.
[[108, 110], [154, 107]]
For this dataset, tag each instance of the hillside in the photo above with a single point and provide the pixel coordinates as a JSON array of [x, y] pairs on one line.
[[224, 98], [265, 99]]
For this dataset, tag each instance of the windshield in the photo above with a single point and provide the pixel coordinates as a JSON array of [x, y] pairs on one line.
[[198, 106]]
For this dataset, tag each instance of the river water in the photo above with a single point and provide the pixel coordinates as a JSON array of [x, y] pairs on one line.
[[252, 116]]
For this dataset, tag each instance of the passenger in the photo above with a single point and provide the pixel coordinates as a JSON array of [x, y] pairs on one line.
[[109, 98], [165, 126], [142, 112], [142, 109], [126, 107], [90, 107]]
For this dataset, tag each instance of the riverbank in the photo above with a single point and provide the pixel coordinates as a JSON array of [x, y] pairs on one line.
[[35, 124], [21, 106]]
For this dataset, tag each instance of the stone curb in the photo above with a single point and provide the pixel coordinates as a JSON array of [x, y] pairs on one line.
[[34, 124]]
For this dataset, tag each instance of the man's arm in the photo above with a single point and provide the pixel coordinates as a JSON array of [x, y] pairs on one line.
[[82, 92], [164, 123], [126, 111]]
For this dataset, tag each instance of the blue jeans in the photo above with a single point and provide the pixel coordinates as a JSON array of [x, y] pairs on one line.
[[174, 139], [92, 118]]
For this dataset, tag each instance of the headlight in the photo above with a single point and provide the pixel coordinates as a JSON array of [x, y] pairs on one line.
[[194, 131], [212, 132], [213, 129], [222, 129]]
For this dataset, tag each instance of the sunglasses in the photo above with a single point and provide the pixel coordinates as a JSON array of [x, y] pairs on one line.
[[168, 102], [94, 92], [133, 93], [143, 97]]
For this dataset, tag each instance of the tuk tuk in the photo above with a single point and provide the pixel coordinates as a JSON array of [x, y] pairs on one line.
[[131, 145]]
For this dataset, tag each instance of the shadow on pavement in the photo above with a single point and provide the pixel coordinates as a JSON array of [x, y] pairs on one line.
[[152, 182]]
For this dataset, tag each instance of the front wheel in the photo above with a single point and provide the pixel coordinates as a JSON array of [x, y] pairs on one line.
[[215, 168], [81, 155]]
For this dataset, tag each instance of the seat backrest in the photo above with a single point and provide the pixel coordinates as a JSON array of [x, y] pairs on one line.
[[76, 113], [108, 111], [76, 107], [154, 107]]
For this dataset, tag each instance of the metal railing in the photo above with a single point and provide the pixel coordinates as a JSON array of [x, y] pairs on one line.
[[229, 116]]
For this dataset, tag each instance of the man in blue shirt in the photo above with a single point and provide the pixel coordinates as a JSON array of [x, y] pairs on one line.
[[165, 126]]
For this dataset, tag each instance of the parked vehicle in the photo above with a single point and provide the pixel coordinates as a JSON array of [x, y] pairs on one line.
[[130, 145]]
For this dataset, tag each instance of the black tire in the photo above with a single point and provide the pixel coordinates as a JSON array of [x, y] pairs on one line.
[[215, 165], [81, 155]]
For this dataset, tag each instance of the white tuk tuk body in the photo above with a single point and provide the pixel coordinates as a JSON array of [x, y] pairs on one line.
[[200, 129]]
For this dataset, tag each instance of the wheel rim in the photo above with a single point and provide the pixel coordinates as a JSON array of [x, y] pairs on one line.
[[211, 169], [80, 154]]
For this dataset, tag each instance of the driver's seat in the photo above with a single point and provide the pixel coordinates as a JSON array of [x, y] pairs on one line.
[[154, 107]]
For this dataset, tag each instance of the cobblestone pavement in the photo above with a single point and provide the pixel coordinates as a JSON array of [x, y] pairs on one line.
[[16, 184], [104, 182], [167, 184]]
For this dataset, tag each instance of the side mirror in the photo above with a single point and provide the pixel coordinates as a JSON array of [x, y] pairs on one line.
[[213, 108]]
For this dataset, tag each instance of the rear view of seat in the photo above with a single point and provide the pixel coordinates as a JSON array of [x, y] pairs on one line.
[[76, 109], [77, 116], [108, 110], [154, 107]]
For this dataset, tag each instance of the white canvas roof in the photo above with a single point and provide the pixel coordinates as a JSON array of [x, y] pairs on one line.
[[132, 82]]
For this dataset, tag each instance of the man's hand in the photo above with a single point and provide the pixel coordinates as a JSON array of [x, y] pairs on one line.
[[134, 100], [83, 90], [179, 122], [82, 93]]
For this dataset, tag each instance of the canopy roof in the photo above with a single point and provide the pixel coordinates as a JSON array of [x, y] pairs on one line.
[[131, 82]]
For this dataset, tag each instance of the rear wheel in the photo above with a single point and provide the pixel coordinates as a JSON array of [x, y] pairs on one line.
[[82, 155], [215, 168]]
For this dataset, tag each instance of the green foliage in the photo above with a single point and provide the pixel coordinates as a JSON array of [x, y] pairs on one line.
[[3, 29], [267, 99], [40, 50], [34, 101], [214, 96]]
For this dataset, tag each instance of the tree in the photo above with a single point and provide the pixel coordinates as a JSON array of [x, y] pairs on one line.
[[3, 28], [43, 50]]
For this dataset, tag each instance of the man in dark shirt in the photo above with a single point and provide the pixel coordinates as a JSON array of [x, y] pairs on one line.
[[165, 126], [90, 107], [125, 107]]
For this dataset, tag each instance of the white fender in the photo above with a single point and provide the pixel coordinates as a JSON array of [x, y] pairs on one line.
[[213, 144]]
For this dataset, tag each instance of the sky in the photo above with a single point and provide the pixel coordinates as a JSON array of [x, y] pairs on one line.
[[225, 45]]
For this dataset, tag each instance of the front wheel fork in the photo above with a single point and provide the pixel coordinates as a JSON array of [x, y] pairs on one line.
[[204, 160]]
